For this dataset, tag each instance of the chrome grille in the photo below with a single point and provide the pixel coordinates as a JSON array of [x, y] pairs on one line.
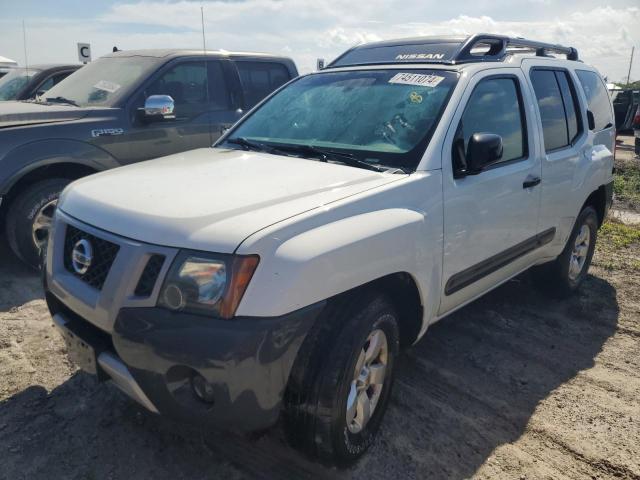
[[104, 253]]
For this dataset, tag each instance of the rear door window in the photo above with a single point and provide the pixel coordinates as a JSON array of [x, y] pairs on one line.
[[558, 108], [554, 122], [259, 79], [571, 105], [597, 98]]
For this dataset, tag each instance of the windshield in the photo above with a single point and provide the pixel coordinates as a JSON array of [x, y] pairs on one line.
[[101, 83], [382, 117], [14, 81]]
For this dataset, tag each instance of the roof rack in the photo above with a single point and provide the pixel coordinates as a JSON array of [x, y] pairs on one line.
[[481, 47], [500, 45]]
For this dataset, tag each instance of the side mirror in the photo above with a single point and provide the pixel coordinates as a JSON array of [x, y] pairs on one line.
[[484, 149], [591, 121], [158, 107]]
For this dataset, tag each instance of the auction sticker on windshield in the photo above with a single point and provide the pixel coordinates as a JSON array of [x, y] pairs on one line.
[[416, 79], [107, 86]]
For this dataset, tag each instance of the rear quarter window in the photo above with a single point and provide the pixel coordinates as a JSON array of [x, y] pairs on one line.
[[597, 98]]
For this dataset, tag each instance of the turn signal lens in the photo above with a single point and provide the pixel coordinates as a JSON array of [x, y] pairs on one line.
[[241, 272]]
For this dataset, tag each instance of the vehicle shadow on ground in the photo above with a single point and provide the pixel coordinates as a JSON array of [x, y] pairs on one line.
[[19, 284], [471, 385]]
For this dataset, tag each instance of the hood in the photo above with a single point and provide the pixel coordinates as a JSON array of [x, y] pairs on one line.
[[14, 114], [210, 199]]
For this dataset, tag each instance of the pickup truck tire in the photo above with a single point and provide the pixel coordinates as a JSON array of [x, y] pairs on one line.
[[35, 204], [566, 273], [326, 399]]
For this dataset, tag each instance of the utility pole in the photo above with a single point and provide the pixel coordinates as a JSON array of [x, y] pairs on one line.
[[24, 40], [630, 63]]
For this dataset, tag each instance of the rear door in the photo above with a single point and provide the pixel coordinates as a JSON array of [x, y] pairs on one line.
[[491, 219], [569, 149], [564, 144]]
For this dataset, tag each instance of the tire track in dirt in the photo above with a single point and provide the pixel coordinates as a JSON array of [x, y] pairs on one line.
[[600, 464]]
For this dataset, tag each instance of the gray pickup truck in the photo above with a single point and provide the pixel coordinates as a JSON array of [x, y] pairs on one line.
[[125, 107]]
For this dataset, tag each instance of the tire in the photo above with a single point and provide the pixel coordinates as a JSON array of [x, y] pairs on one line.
[[559, 278], [322, 380], [35, 202]]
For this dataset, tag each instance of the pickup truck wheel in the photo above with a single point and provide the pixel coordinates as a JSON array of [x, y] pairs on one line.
[[341, 381], [566, 273], [29, 219]]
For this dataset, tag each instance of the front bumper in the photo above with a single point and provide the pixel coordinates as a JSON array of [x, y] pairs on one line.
[[153, 354], [114, 330]]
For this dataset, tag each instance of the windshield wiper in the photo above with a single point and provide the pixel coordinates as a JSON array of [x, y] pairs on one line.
[[325, 155], [250, 145], [62, 100]]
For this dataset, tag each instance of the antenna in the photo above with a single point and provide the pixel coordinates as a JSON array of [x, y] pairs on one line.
[[630, 63], [206, 74], [24, 42], [204, 43]]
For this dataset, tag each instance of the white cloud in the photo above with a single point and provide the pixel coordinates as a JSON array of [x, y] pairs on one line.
[[306, 30]]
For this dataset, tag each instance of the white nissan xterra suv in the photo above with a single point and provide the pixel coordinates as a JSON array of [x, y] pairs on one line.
[[277, 275]]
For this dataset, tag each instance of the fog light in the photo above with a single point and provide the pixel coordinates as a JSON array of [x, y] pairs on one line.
[[202, 389]]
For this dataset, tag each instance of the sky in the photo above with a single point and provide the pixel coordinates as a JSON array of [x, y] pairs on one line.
[[603, 31]]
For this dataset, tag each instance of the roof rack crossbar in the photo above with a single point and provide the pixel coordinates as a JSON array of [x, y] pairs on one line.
[[500, 45]]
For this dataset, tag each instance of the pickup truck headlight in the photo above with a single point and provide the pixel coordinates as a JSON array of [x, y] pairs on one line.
[[207, 284]]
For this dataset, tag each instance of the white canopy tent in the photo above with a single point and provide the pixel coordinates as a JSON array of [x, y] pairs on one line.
[[6, 64]]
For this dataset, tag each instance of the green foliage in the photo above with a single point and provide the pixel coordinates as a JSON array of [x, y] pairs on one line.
[[619, 235], [633, 85], [626, 183]]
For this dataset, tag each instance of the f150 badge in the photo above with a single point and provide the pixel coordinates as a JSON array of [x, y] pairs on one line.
[[106, 132]]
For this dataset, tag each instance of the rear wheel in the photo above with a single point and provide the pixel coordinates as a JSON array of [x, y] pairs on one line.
[[341, 381], [566, 273], [30, 217]]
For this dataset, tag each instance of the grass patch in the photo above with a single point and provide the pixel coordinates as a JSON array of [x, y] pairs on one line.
[[618, 247], [619, 235], [626, 183]]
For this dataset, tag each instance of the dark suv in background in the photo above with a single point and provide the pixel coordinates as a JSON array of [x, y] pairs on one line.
[[123, 108], [27, 83]]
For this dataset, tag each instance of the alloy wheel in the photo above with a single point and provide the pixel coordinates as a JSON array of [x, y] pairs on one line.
[[42, 223], [580, 252], [368, 381]]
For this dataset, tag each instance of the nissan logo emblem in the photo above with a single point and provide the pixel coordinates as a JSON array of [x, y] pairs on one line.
[[81, 256]]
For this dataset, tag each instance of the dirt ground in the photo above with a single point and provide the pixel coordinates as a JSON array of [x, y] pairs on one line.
[[514, 386]]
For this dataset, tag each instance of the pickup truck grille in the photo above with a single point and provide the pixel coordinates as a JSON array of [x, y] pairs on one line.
[[103, 255]]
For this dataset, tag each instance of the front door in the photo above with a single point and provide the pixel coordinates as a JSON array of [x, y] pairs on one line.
[[490, 218], [203, 107]]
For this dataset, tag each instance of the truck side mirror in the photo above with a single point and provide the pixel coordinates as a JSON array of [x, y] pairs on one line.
[[158, 107], [484, 149]]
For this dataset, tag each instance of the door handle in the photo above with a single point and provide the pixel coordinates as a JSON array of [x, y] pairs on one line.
[[531, 181]]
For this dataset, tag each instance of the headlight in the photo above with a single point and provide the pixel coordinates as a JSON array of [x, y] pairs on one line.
[[207, 284]]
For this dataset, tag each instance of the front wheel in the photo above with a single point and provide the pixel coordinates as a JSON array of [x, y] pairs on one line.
[[566, 273], [29, 219], [341, 382]]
